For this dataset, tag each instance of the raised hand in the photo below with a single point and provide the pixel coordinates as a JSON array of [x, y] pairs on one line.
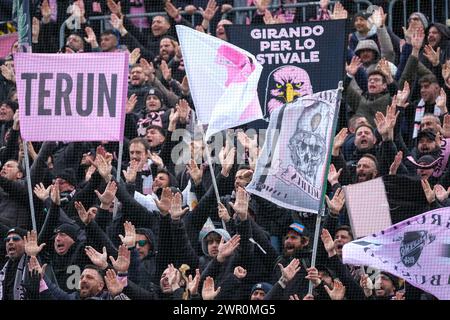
[[384, 68], [195, 172], [134, 56], [117, 23], [114, 285], [441, 101], [227, 161], [173, 276], [103, 166], [185, 86], [123, 259], [240, 206], [35, 29], [107, 197], [328, 242], [165, 202], [132, 170], [417, 38], [339, 140], [165, 70], [333, 175], [223, 212], [338, 291], [339, 12], [313, 276], [85, 216], [55, 194], [34, 265], [208, 291], [294, 297], [446, 73], [240, 272], [354, 65], [156, 159], [183, 110], [148, 69], [115, 8], [210, 11], [379, 17], [288, 273], [31, 244], [8, 73], [192, 284], [441, 193], [46, 11], [432, 55], [171, 10], [429, 193], [446, 126], [129, 240], [403, 95], [131, 103], [386, 124], [336, 204], [366, 284], [91, 37], [41, 192], [226, 249], [176, 212], [396, 163], [97, 258]]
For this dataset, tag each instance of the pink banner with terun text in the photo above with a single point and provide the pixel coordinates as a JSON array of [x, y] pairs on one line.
[[72, 97]]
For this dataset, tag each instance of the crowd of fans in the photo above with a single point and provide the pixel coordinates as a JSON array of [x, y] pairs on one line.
[[154, 243]]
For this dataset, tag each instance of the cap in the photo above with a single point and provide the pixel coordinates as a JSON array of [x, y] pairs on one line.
[[70, 229], [363, 14], [156, 92], [264, 286], [299, 228], [421, 17], [21, 232], [12, 104]]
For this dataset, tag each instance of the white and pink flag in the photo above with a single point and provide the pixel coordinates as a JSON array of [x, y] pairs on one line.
[[416, 249], [223, 80], [72, 97]]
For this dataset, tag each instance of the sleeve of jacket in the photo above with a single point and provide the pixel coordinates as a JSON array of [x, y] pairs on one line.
[[353, 289], [131, 42], [135, 292], [386, 47], [86, 195], [50, 223], [97, 238], [39, 171], [388, 151], [351, 94], [183, 251], [230, 289]]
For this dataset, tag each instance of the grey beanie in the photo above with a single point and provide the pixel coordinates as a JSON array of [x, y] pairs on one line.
[[222, 232], [422, 18]]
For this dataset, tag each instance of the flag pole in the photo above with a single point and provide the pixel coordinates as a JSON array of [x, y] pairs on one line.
[[21, 11], [119, 170], [321, 212], [211, 169]]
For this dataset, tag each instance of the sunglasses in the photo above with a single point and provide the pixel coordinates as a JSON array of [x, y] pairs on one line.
[[141, 243], [13, 238]]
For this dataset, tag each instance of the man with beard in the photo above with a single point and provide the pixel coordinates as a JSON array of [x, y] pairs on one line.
[[428, 143], [385, 286], [369, 159], [295, 246]]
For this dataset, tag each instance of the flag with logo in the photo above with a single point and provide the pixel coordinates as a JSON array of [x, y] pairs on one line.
[[223, 80], [416, 249], [291, 169]]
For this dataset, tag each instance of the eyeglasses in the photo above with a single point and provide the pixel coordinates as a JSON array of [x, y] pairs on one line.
[[141, 243], [13, 238]]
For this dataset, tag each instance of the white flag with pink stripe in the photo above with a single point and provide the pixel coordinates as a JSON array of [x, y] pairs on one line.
[[223, 80]]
